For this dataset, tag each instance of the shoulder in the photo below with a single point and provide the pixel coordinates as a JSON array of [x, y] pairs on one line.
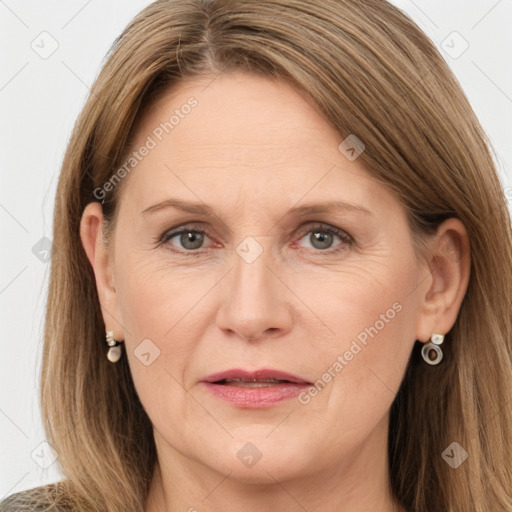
[[37, 499]]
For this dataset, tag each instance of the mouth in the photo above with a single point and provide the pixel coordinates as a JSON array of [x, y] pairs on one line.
[[254, 389], [254, 383]]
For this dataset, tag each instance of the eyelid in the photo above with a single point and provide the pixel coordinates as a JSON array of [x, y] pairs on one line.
[[343, 234]]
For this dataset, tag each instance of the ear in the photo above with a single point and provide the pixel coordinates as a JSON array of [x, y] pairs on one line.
[[101, 259], [449, 268]]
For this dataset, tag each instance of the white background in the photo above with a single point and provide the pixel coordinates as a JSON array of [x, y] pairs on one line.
[[39, 101]]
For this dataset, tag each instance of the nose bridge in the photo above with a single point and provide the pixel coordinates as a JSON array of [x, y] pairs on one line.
[[255, 301], [252, 280]]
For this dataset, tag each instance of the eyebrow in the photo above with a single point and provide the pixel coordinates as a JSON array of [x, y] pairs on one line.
[[204, 209]]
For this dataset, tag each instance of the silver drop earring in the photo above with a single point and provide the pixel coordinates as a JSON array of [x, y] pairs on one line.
[[431, 351], [114, 352]]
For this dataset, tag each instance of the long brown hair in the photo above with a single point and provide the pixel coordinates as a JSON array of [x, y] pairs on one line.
[[371, 72]]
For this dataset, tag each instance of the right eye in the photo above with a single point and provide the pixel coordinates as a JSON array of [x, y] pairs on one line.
[[189, 239]]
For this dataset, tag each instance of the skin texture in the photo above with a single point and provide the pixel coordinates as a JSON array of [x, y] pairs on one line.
[[253, 149]]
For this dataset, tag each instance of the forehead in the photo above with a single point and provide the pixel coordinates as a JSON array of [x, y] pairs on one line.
[[240, 109], [244, 133]]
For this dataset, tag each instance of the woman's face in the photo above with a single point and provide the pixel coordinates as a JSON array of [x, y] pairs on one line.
[[293, 262]]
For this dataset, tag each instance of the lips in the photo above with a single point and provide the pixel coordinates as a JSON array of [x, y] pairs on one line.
[[254, 389]]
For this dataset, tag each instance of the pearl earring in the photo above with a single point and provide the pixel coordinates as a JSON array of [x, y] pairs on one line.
[[431, 351], [114, 352]]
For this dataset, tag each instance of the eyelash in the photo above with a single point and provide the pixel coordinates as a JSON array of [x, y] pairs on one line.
[[345, 238]]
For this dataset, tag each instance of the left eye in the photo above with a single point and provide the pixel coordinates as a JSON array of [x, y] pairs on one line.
[[321, 237]]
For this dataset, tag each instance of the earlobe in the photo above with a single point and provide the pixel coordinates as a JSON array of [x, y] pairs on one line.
[[91, 235], [449, 268]]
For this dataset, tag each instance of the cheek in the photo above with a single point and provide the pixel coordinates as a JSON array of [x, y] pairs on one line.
[[163, 318], [369, 314], [154, 296], [365, 294], [171, 307]]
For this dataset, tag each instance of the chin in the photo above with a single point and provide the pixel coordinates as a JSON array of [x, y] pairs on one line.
[[259, 461]]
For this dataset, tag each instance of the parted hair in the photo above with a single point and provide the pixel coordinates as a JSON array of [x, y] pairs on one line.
[[371, 72]]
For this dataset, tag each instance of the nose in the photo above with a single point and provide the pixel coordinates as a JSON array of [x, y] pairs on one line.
[[256, 303]]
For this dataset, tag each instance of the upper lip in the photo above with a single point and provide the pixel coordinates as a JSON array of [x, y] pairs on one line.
[[255, 375]]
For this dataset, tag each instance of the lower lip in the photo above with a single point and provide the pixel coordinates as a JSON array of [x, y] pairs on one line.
[[257, 397]]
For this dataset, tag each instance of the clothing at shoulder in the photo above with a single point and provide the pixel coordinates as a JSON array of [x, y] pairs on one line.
[[37, 499]]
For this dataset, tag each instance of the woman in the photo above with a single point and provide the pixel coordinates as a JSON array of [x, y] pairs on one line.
[[276, 286]]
